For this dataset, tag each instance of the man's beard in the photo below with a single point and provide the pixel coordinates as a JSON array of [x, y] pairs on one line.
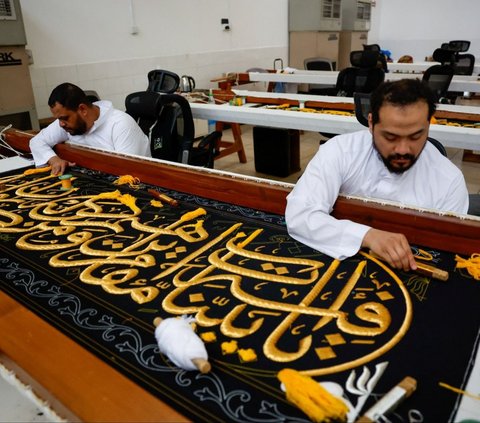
[[80, 128], [388, 161]]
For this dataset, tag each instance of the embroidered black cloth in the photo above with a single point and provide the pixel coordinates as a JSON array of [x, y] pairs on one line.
[[100, 261]]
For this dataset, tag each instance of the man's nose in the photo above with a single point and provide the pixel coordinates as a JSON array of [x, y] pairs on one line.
[[402, 147]]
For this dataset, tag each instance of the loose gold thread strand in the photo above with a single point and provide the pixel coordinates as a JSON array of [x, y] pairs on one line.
[[459, 391]]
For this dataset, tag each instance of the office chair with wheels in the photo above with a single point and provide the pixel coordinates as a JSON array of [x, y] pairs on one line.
[[163, 81], [318, 63], [362, 109], [364, 75], [459, 46], [382, 60], [438, 78], [464, 64], [168, 122], [372, 47], [444, 55], [474, 204], [451, 53], [92, 95]]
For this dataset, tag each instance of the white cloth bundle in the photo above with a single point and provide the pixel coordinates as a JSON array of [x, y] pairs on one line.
[[178, 341]]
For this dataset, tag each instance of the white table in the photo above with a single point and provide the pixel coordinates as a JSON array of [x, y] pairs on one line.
[[419, 67], [15, 162], [470, 83], [449, 136], [348, 100]]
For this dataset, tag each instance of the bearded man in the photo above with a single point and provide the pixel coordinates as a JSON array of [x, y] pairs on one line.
[[79, 121], [392, 160]]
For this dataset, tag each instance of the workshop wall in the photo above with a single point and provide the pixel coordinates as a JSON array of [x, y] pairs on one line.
[[110, 45], [417, 28]]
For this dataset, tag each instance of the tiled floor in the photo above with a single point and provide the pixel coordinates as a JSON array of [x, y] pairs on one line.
[[15, 407], [19, 403]]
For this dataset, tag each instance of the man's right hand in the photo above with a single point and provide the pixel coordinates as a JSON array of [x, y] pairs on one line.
[[58, 165], [392, 247]]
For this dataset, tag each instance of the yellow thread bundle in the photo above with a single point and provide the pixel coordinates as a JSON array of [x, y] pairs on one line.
[[472, 265], [314, 400], [132, 181]]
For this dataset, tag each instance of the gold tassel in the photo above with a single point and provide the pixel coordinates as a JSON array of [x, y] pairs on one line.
[[314, 400], [472, 265], [132, 181]]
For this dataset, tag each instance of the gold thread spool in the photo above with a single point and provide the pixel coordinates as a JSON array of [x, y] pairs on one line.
[[66, 182]]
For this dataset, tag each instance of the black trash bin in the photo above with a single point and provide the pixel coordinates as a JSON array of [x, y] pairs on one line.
[[276, 150]]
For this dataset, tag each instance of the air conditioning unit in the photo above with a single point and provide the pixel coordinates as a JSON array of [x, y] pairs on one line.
[[356, 15], [7, 10], [314, 15]]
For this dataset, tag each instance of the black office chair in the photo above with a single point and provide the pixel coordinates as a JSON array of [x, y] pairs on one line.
[[459, 46], [362, 109], [464, 64], [444, 55], [167, 121], [382, 60], [438, 78], [451, 53], [163, 81], [474, 204], [372, 47], [318, 63], [92, 95], [363, 76]]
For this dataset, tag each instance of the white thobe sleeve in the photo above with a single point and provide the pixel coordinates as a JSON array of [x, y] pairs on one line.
[[41, 145], [311, 201]]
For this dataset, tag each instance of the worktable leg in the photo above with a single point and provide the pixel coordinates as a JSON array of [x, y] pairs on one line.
[[230, 147]]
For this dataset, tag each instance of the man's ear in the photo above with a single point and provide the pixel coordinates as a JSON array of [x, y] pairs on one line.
[[370, 122], [82, 109]]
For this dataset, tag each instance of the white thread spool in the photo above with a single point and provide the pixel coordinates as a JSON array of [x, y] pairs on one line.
[[178, 341]]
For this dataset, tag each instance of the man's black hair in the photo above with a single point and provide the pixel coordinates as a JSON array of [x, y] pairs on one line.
[[69, 96], [401, 93]]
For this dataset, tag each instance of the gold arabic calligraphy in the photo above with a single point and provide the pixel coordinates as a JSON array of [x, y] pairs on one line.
[[229, 278]]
